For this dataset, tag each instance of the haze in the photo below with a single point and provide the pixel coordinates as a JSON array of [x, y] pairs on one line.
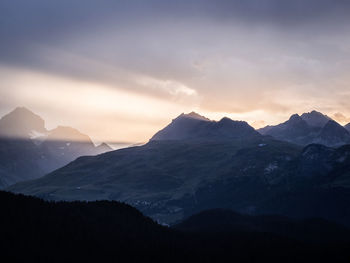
[[119, 70]]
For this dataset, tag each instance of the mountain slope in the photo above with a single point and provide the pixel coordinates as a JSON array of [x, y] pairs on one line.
[[162, 177], [347, 127], [294, 130], [333, 134], [171, 180]]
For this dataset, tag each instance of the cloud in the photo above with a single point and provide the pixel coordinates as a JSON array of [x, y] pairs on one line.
[[258, 124], [339, 117], [275, 57]]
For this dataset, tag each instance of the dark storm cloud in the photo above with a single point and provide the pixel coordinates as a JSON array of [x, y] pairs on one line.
[[40, 19]]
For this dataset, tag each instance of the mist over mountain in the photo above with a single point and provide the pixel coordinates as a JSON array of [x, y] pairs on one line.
[[21, 124], [28, 150]]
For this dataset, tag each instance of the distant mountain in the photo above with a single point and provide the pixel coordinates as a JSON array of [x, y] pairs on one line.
[[33, 230], [312, 127], [193, 126], [28, 150], [103, 147], [21, 124]]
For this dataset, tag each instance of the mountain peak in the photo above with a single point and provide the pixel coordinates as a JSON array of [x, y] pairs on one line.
[[20, 123], [66, 133], [193, 115], [315, 118], [294, 117], [193, 126], [22, 109], [226, 119]]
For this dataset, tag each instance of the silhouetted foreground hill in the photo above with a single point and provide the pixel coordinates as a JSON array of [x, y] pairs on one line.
[[33, 230]]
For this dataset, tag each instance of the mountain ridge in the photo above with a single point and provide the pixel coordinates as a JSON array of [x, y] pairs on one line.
[[311, 127], [193, 126]]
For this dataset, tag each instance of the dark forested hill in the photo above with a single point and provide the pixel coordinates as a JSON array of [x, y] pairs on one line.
[[33, 230]]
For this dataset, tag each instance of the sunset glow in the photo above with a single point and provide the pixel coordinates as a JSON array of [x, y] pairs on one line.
[[122, 73]]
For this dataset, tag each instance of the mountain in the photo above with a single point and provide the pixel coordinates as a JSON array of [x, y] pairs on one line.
[[28, 150], [311, 127], [193, 126], [162, 177], [347, 127], [315, 118], [64, 144], [333, 134], [295, 130], [170, 179], [21, 124], [103, 147], [102, 231]]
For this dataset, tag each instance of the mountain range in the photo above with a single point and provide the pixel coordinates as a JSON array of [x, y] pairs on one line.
[[311, 127], [195, 164], [28, 150]]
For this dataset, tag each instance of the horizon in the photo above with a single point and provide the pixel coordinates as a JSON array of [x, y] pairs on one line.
[[123, 144], [121, 70]]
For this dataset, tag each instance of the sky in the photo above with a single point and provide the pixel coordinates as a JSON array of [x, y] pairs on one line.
[[121, 70]]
